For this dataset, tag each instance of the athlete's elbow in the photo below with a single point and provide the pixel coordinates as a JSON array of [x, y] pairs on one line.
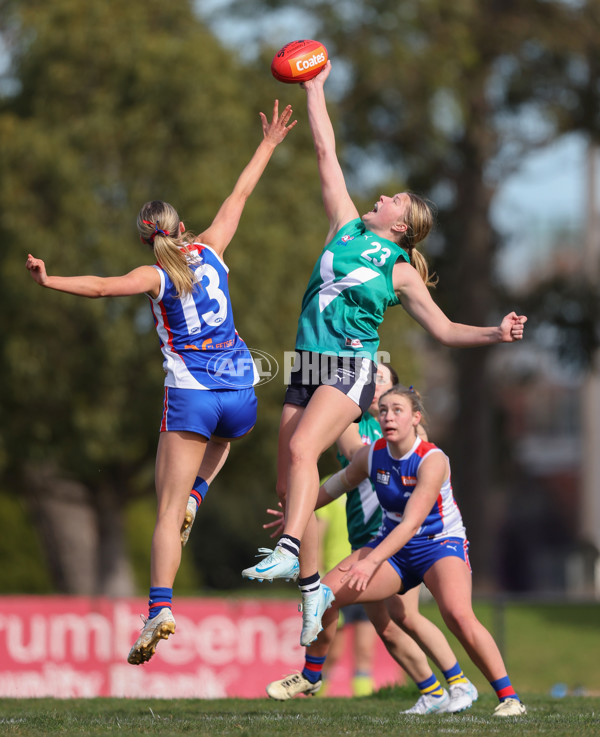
[[411, 527], [324, 153], [103, 288], [444, 335]]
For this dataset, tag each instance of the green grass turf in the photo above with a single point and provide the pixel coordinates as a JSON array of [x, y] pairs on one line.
[[543, 644], [303, 717]]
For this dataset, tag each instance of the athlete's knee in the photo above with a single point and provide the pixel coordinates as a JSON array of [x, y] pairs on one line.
[[302, 450], [409, 622], [381, 621], [169, 515], [400, 616], [388, 632], [460, 621]]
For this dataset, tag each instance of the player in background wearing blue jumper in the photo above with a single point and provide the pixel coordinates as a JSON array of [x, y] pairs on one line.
[[406, 633], [209, 397], [422, 539], [369, 263]]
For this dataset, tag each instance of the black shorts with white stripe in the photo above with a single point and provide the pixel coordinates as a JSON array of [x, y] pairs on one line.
[[352, 375]]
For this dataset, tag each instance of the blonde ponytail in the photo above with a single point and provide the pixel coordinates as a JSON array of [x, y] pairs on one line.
[[158, 226], [419, 220], [420, 263]]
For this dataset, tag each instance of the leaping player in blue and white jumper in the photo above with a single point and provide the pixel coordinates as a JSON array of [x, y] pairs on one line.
[[209, 398]]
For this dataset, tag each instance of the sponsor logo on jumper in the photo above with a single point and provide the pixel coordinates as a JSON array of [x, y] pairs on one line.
[[209, 345], [450, 544], [409, 480], [353, 343], [382, 477], [346, 238]]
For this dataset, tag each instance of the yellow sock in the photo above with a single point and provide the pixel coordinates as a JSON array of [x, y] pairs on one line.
[[362, 685], [323, 690], [454, 675]]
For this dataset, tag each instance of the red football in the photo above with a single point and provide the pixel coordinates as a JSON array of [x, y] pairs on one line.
[[299, 61]]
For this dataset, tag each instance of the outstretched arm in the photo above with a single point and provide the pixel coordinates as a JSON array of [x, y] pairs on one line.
[[339, 208], [417, 301], [350, 441], [346, 479], [144, 279], [222, 229]]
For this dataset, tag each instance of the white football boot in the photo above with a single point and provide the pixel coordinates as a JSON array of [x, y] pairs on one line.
[[462, 696], [155, 629], [188, 520], [510, 708], [291, 686], [277, 563], [313, 607], [428, 704]]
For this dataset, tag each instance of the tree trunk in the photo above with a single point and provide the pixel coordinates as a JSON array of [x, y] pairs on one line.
[[115, 576], [82, 534], [474, 248], [64, 516]]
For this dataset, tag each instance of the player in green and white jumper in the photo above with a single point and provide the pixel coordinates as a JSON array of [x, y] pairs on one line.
[[369, 263], [363, 513], [349, 290]]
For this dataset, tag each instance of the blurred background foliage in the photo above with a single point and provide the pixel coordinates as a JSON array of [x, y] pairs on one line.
[[105, 105]]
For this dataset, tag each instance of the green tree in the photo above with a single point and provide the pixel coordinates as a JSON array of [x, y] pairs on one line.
[[107, 105]]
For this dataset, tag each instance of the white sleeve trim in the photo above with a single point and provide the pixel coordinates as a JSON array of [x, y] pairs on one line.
[[216, 255], [161, 291]]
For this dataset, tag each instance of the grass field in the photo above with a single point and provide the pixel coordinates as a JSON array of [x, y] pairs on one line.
[[542, 644], [304, 717]]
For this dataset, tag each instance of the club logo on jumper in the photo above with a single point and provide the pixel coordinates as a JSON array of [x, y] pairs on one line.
[[408, 480], [346, 238], [382, 477], [353, 343]]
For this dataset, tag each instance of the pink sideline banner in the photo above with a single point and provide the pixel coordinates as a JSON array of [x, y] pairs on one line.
[[76, 647]]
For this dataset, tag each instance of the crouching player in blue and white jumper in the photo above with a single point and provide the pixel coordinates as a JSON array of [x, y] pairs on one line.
[[422, 539]]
